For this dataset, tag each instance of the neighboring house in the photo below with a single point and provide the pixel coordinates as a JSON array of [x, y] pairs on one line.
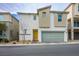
[[73, 21], [43, 26], [11, 26]]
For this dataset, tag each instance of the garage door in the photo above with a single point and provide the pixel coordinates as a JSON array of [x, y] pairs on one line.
[[53, 37]]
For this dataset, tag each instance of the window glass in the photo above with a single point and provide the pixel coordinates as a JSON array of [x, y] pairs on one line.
[[75, 24], [78, 7], [59, 18], [1, 17], [34, 17]]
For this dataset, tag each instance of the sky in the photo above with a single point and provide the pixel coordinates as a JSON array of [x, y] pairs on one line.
[[13, 8], [30, 7]]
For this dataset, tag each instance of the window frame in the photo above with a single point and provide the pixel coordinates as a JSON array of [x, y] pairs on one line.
[[59, 18], [78, 7], [34, 17], [44, 14]]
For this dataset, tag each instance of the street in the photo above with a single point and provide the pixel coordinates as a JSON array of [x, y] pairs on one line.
[[40, 50]]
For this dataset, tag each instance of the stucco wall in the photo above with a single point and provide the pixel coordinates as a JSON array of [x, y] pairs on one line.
[[52, 28], [6, 17], [27, 22], [44, 21]]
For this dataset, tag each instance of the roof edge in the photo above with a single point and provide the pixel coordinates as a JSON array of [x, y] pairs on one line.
[[68, 6], [58, 12], [14, 18], [25, 13], [44, 8]]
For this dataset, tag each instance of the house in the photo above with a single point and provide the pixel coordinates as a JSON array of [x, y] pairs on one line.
[[73, 21], [44, 26], [9, 27]]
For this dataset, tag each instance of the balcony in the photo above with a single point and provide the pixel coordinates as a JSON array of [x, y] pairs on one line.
[[76, 25]]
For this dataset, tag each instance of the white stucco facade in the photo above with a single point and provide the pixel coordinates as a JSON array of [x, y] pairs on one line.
[[27, 22]]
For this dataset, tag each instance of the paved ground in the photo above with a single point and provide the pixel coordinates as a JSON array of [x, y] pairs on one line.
[[40, 50]]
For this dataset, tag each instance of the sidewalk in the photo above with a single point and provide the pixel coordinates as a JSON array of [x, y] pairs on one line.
[[39, 44]]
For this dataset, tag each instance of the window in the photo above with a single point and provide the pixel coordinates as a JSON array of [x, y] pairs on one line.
[[78, 7], [76, 24], [34, 17], [1, 17], [43, 14], [59, 18], [0, 32], [11, 33]]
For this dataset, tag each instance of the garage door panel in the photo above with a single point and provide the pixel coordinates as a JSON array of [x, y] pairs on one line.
[[53, 36]]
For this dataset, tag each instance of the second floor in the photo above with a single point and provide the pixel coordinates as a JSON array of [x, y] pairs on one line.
[[44, 18], [73, 9]]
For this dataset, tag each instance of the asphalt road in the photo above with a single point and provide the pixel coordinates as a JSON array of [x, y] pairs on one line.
[[40, 50]]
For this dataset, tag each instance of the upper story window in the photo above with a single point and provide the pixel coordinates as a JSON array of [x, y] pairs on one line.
[[1, 17], [59, 18], [43, 14], [34, 17], [78, 7], [76, 24]]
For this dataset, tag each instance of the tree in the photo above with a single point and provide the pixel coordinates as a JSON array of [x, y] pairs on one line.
[[2, 27]]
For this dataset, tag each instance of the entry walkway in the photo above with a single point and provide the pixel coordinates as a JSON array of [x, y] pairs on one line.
[[70, 42]]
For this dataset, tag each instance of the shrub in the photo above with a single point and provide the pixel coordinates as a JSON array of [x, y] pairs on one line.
[[6, 40], [14, 42]]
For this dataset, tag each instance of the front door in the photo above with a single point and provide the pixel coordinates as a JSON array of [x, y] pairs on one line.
[[35, 35]]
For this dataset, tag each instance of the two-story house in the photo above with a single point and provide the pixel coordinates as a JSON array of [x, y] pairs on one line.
[[43, 26], [9, 27]]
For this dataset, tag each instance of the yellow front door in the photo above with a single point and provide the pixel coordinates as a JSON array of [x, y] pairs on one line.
[[35, 35]]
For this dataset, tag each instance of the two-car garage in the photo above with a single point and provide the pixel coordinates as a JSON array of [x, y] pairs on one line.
[[51, 36]]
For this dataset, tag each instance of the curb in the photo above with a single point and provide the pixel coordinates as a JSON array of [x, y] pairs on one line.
[[39, 44]]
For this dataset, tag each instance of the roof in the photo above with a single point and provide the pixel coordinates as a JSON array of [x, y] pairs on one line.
[[44, 8], [1, 10], [58, 12], [68, 6], [4, 12], [14, 17], [27, 13]]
